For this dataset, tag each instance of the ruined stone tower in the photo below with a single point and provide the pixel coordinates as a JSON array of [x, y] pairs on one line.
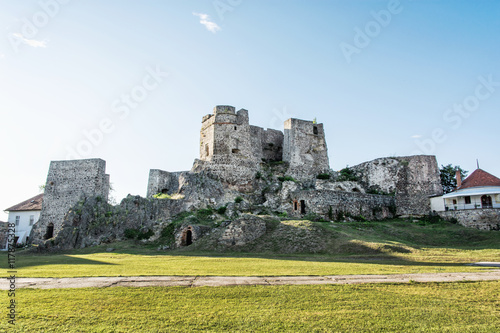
[[304, 148], [232, 149], [67, 182]]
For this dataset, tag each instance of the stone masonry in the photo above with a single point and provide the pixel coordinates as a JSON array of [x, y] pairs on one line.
[[304, 148], [412, 179], [67, 182], [482, 219]]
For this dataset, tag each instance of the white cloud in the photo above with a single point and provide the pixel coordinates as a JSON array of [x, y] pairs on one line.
[[30, 42], [205, 20], [416, 136], [2, 55]]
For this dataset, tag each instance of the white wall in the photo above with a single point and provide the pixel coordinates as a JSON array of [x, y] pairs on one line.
[[437, 204], [23, 229]]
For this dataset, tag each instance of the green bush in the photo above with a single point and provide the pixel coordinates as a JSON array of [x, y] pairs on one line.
[[330, 213], [286, 178], [221, 210], [145, 235], [131, 233], [137, 234], [238, 199], [323, 176], [258, 175], [347, 174]]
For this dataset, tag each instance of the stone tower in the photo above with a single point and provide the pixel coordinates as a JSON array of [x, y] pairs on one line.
[[67, 182], [304, 148], [225, 134]]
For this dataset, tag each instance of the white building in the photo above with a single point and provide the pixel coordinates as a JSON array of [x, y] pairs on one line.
[[24, 215], [478, 191]]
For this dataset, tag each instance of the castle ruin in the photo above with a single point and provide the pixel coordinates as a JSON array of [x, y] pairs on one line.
[[270, 171]]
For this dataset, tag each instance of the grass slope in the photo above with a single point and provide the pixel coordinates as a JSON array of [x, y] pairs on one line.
[[430, 307], [347, 248]]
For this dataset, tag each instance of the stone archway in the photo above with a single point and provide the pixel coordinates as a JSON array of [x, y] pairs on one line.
[[187, 237]]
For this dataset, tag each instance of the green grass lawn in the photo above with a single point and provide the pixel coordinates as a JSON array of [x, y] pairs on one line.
[[429, 307], [391, 247], [130, 264]]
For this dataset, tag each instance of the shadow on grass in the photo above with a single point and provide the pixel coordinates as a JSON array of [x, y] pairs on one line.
[[30, 260], [343, 243]]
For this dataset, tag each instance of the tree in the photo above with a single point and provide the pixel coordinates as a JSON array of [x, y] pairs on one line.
[[448, 177]]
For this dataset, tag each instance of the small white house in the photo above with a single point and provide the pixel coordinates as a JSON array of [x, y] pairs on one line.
[[24, 215], [478, 191]]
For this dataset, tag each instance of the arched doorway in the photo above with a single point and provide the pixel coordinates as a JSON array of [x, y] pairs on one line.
[[50, 231], [486, 201], [189, 237]]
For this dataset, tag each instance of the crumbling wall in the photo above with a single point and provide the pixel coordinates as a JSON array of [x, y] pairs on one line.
[[162, 182], [67, 182], [330, 204], [304, 148], [413, 180]]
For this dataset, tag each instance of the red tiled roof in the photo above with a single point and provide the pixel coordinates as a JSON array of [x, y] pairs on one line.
[[480, 178], [34, 203]]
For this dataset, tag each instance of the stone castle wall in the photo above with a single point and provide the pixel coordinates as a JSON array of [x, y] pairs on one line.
[[413, 179], [67, 182], [482, 219], [369, 206]]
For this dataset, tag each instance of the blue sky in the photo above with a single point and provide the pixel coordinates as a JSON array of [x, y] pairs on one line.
[[387, 78]]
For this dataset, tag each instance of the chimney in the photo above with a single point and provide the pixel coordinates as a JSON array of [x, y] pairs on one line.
[[459, 178]]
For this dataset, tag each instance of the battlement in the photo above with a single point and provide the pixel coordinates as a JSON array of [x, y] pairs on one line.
[[224, 109]]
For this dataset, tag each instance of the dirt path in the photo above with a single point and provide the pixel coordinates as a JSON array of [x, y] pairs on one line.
[[216, 281]]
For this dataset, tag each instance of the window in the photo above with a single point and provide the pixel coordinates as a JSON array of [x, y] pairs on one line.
[[454, 201], [467, 200], [18, 218], [32, 219], [207, 150], [235, 128], [295, 205], [315, 129], [50, 231]]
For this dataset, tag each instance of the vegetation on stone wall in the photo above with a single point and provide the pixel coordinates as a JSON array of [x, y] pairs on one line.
[[323, 176], [347, 174]]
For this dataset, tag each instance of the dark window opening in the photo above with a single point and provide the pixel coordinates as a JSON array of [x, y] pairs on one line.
[[454, 201], [315, 129], [164, 191], [355, 190], [486, 201], [467, 200], [50, 231], [302, 207], [235, 128], [295, 205], [235, 150], [16, 239]]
